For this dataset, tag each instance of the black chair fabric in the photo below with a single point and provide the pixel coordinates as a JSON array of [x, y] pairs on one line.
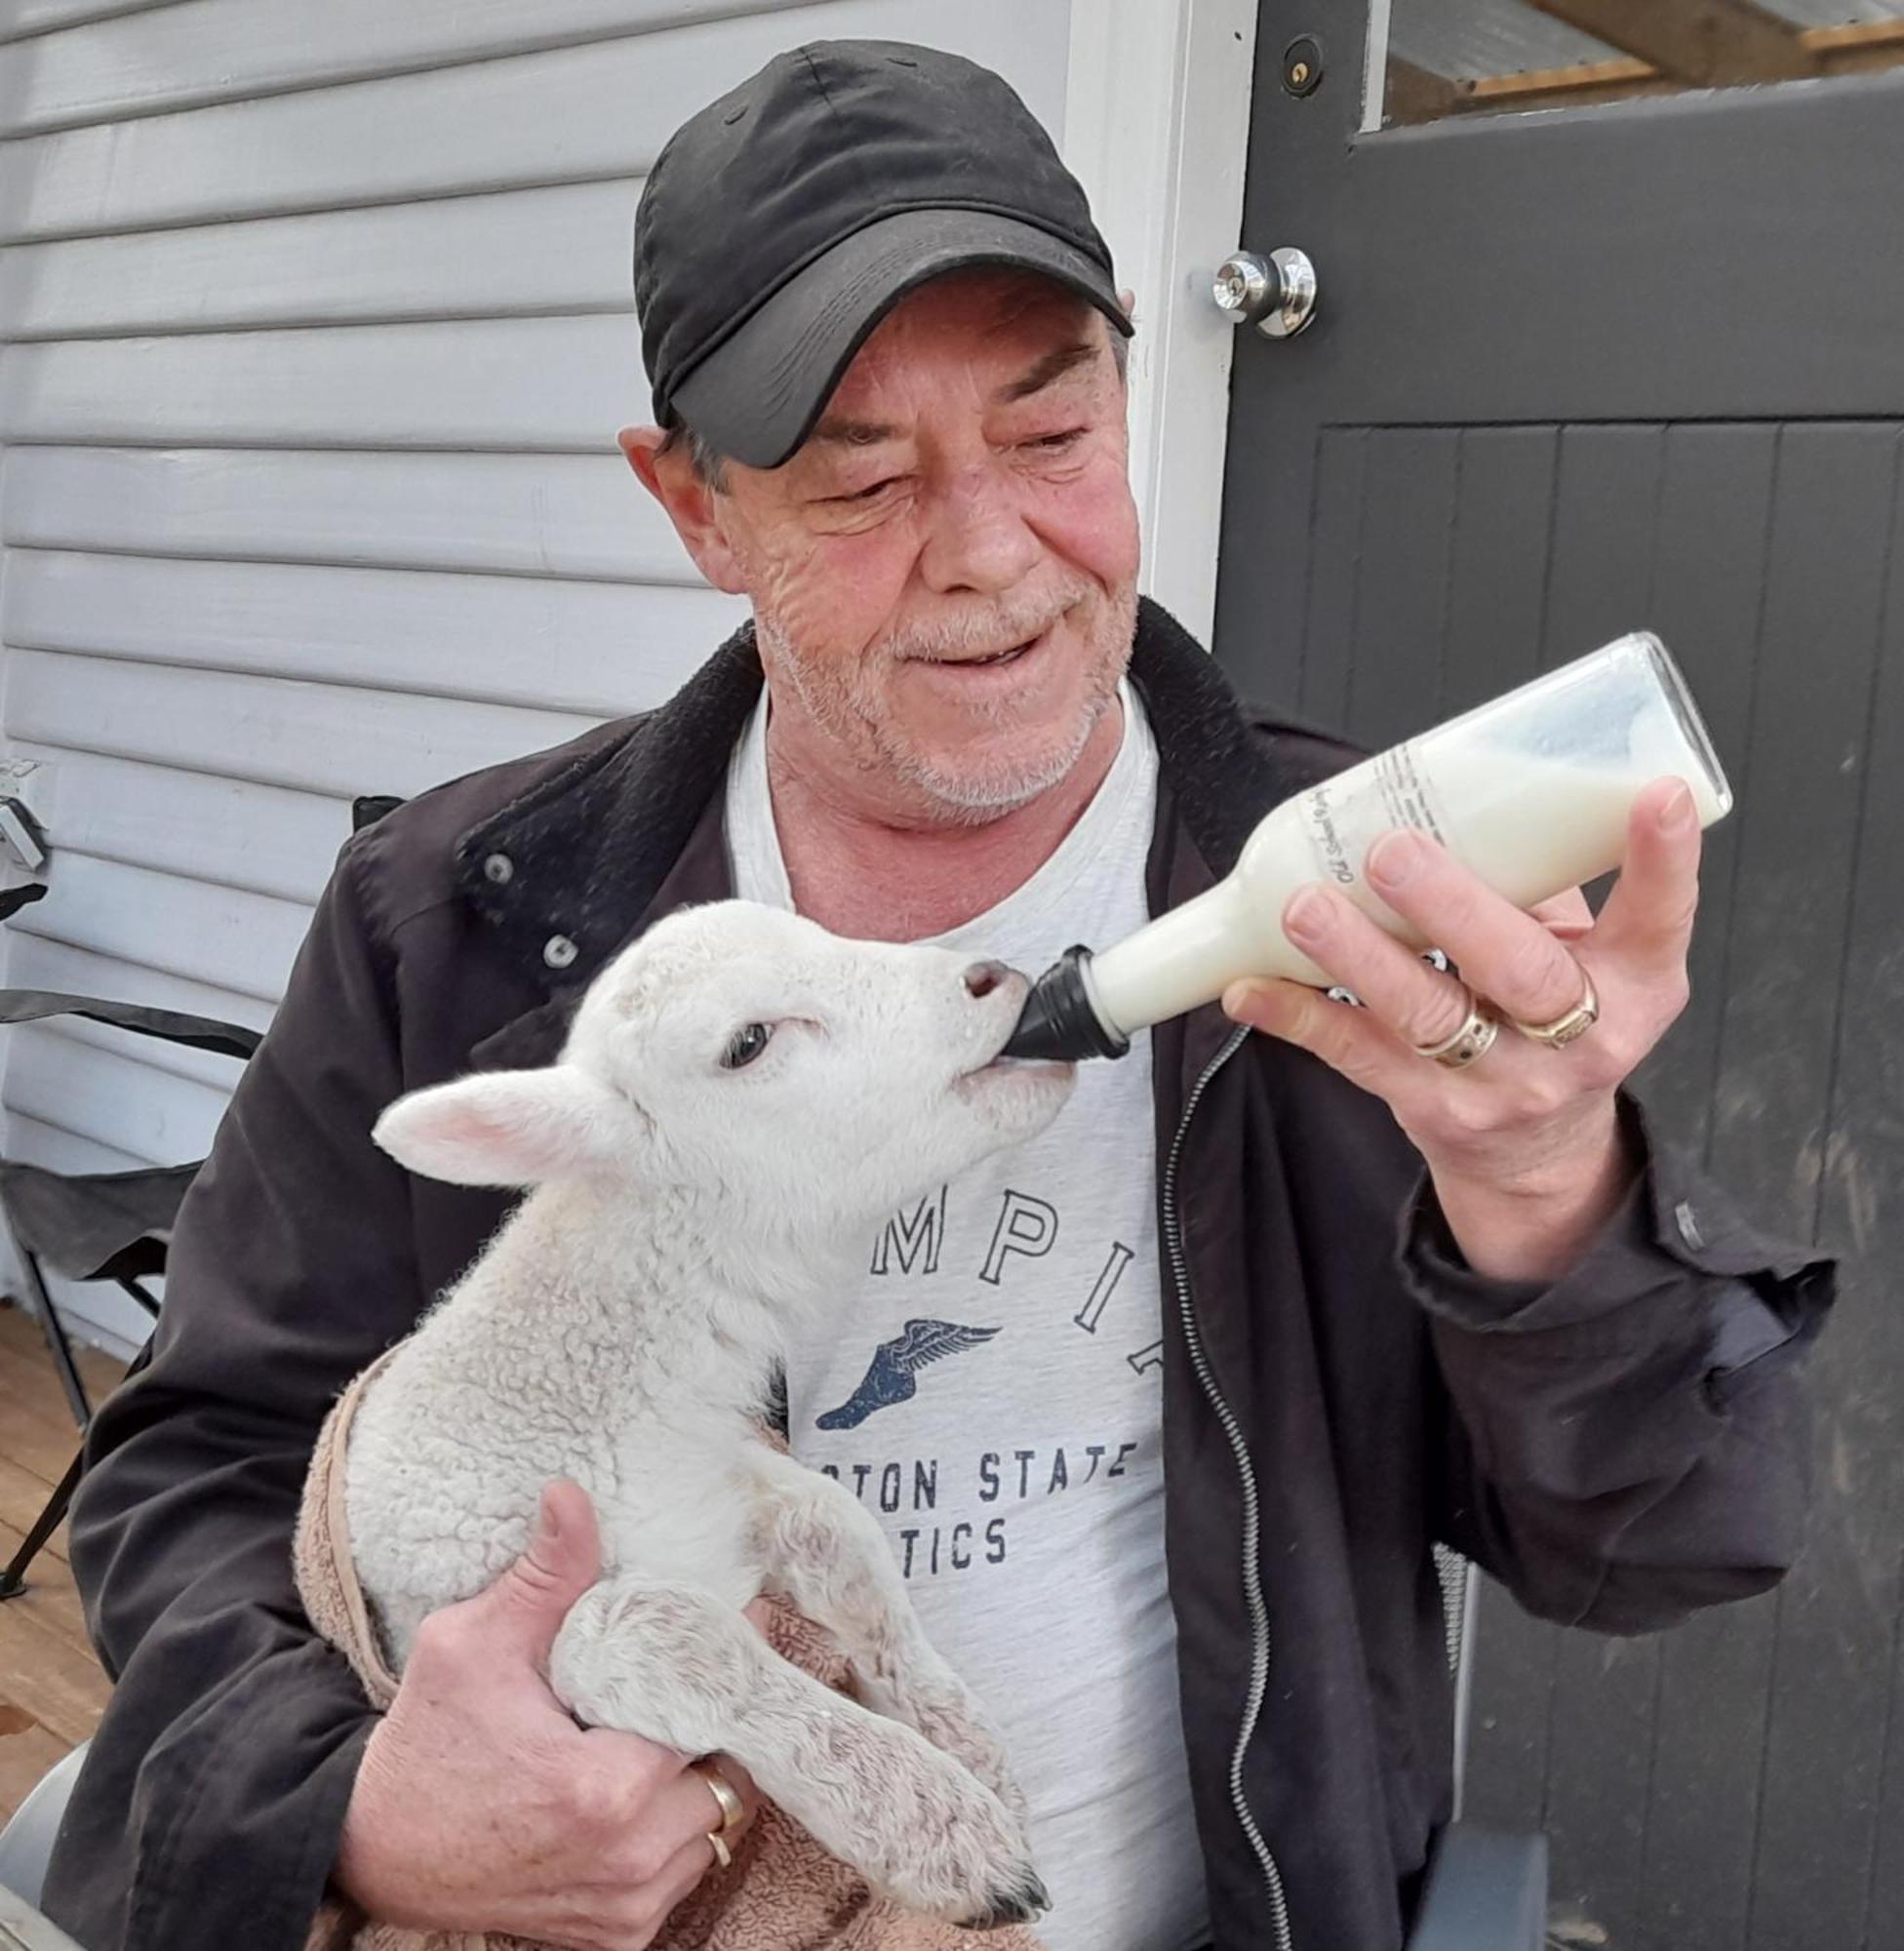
[[89, 1227]]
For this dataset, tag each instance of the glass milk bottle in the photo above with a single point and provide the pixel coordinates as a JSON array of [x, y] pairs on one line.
[[1533, 792]]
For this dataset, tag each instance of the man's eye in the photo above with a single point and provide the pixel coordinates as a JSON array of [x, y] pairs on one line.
[[1054, 443], [744, 1045], [871, 494]]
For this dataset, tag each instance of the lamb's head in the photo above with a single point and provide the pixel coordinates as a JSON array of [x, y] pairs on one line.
[[808, 1083]]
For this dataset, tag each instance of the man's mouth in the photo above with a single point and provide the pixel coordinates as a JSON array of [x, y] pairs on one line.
[[994, 659], [1005, 657]]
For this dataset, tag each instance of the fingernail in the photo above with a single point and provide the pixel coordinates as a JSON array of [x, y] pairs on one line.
[[1679, 812], [1395, 859], [551, 1520], [1237, 998], [1306, 918]]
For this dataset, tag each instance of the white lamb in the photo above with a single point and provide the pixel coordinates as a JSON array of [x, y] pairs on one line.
[[742, 1099]]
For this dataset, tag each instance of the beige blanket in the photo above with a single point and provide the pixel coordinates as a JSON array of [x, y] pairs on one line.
[[784, 1891]]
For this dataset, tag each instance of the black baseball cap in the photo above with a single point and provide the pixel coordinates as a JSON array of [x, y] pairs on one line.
[[783, 221]]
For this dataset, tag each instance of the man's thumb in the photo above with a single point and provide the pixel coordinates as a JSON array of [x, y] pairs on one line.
[[562, 1559]]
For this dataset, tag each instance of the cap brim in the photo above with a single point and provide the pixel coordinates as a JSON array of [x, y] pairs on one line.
[[756, 396]]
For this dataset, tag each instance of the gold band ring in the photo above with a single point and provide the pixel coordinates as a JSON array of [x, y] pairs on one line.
[[1570, 1028], [722, 1855], [733, 1812], [1470, 1043]]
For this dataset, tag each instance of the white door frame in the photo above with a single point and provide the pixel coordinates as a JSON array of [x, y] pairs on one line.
[[1157, 128]]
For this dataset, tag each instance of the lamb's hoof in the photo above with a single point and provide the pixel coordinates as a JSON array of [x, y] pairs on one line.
[[1018, 1905]]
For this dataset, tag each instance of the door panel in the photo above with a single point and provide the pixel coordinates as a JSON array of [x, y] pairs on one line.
[[1574, 374]]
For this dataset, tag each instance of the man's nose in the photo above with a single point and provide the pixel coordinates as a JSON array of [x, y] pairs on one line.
[[979, 539], [982, 977]]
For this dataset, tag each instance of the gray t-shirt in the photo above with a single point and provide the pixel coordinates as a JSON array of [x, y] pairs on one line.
[[991, 1390]]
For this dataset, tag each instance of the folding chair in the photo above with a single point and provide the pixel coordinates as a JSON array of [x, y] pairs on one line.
[[1485, 1891], [93, 1226], [103, 1226]]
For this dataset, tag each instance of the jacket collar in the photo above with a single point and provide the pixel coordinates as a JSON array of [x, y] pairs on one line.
[[633, 828]]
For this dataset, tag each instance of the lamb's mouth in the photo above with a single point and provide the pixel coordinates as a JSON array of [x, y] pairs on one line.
[[1001, 1067]]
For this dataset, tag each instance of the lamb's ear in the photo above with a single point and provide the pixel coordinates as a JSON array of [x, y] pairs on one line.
[[510, 1127]]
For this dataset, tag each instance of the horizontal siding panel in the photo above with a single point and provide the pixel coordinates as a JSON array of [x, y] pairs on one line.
[[546, 514], [563, 116], [114, 1100], [218, 935], [603, 647], [40, 1143], [314, 737], [549, 383], [208, 51], [20, 17], [533, 251], [33, 963], [234, 832]]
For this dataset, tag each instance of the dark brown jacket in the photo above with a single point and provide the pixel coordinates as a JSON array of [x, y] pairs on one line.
[[1338, 1391]]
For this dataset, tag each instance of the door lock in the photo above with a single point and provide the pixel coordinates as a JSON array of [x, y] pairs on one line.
[[1275, 293]]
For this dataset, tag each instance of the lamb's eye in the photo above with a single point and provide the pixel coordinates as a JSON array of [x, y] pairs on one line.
[[745, 1044]]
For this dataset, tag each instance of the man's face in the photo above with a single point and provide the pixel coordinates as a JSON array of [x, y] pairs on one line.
[[945, 574]]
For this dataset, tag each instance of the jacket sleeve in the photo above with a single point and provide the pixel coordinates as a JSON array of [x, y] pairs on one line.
[[1629, 1444], [209, 1808]]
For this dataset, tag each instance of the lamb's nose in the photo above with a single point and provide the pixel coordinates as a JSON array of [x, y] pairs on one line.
[[982, 977]]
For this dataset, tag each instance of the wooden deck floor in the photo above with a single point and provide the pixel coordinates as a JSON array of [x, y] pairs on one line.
[[51, 1690]]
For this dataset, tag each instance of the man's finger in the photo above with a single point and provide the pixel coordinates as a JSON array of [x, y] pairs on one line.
[[1566, 917], [1420, 1004], [561, 1561], [1648, 916], [1502, 953], [1347, 1040], [681, 1818]]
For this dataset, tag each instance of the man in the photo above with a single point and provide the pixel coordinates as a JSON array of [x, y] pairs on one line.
[[1172, 1511]]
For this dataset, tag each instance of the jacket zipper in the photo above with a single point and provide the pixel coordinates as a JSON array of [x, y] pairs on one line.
[[1252, 1583]]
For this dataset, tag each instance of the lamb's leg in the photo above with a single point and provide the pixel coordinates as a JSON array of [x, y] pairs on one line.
[[677, 1667], [826, 1552]]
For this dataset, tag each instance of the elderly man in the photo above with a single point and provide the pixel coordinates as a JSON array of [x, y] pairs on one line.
[[1165, 1413]]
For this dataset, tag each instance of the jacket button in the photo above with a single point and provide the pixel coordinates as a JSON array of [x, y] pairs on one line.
[[558, 951], [500, 869]]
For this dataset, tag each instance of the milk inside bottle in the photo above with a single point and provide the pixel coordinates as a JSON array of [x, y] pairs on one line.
[[1532, 791]]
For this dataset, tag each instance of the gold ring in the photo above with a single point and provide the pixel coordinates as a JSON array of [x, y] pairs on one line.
[[1570, 1028], [733, 1812], [1470, 1043], [722, 1855]]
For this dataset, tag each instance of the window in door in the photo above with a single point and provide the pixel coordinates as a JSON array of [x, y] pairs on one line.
[[1480, 56]]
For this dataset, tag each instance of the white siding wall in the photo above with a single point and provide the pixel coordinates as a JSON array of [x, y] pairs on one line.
[[314, 334]]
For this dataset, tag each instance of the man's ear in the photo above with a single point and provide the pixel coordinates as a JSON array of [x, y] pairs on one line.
[[511, 1128], [690, 502]]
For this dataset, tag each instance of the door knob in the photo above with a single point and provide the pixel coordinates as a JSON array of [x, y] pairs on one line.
[[1277, 293]]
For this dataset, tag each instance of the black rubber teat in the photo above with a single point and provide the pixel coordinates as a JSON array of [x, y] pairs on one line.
[[1058, 1023]]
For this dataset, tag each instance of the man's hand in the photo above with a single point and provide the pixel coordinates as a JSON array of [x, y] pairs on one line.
[[1525, 1145], [481, 1805]]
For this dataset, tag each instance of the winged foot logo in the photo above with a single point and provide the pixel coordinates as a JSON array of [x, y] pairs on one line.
[[889, 1379]]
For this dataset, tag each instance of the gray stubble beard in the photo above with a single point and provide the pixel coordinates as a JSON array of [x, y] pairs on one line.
[[849, 717]]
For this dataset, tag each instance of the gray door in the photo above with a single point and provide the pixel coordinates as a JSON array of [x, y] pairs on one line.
[[1574, 372]]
